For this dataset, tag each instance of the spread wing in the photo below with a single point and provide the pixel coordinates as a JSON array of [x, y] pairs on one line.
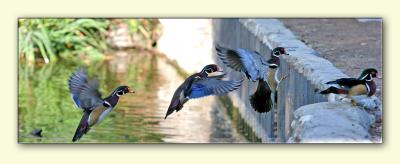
[[84, 92], [230, 57], [249, 62], [213, 86], [259, 66]]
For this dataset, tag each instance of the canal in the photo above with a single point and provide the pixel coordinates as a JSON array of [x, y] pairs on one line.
[[45, 103]]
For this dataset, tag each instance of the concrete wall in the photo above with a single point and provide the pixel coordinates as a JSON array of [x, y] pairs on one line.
[[231, 33], [307, 73], [332, 122]]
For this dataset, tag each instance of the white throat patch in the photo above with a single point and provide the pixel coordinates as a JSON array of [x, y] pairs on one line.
[[370, 78], [106, 102], [273, 65]]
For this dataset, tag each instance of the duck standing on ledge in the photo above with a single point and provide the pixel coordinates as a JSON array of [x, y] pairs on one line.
[[363, 85], [253, 65], [200, 85], [87, 97]]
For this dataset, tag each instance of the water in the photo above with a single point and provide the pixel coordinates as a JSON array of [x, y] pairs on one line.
[[45, 103]]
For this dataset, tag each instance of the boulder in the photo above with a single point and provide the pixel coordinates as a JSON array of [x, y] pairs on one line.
[[331, 122]]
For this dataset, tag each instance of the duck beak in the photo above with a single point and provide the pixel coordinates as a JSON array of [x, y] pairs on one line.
[[284, 51], [286, 48], [131, 90]]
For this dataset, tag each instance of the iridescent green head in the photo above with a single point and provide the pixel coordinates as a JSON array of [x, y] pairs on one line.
[[368, 74]]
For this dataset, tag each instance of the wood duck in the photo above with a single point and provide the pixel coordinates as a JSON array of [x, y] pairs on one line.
[[363, 85], [253, 65], [272, 76], [276, 52], [87, 97], [200, 85]]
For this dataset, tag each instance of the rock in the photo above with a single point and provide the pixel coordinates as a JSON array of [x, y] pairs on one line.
[[363, 44], [372, 104], [331, 122], [368, 103], [37, 133], [119, 37]]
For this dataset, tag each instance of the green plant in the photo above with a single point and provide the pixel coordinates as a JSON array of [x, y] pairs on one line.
[[48, 39]]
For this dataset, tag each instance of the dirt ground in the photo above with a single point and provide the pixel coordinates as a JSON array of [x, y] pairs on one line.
[[350, 44]]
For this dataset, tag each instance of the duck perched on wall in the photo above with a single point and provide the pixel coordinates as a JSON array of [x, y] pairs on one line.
[[200, 85], [254, 66], [87, 97], [363, 85]]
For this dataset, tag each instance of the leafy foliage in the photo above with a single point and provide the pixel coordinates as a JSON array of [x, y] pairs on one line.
[[51, 38], [48, 39]]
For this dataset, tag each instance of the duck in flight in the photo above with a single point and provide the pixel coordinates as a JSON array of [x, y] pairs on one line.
[[256, 68], [85, 93], [199, 85]]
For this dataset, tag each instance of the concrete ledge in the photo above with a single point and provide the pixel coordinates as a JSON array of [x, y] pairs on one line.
[[307, 73], [304, 59], [328, 122]]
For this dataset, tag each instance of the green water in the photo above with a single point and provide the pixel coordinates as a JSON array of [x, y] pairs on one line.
[[240, 124], [45, 102]]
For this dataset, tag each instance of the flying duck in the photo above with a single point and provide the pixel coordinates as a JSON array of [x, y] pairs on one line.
[[87, 97], [254, 66], [200, 85]]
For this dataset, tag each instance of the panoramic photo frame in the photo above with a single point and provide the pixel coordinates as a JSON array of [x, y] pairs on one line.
[[120, 80]]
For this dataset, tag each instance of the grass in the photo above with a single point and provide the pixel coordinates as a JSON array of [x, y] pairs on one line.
[[45, 40]]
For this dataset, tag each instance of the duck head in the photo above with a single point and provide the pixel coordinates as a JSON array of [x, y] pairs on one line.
[[368, 74], [112, 100], [121, 90], [209, 69], [276, 52]]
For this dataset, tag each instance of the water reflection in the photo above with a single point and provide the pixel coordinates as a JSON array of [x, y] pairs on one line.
[[45, 103]]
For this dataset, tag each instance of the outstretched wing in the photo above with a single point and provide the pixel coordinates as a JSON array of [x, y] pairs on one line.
[[230, 57], [213, 86], [249, 62], [84, 92], [258, 66]]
